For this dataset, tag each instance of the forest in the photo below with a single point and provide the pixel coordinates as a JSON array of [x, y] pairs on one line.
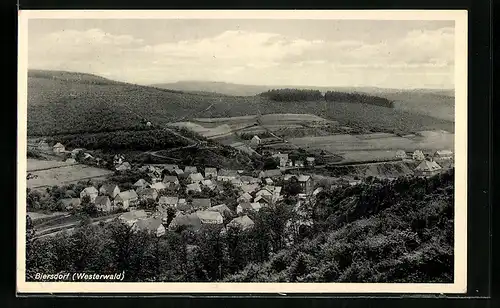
[[361, 98], [292, 95], [378, 231]]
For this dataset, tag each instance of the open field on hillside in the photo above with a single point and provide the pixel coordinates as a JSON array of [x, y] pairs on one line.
[[36, 164], [65, 175], [70, 105]]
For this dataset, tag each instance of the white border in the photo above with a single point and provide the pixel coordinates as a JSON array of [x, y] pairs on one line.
[[460, 249]]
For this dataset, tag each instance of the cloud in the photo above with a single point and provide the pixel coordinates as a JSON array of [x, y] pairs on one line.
[[253, 58]]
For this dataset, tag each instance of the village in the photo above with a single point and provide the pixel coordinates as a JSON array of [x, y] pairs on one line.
[[173, 195]]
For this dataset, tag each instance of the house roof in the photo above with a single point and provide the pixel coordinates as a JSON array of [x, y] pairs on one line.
[[304, 178], [191, 169], [255, 206], [141, 183], [178, 171], [58, 145], [205, 216], [270, 173], [249, 179], [289, 176], [210, 170], [170, 179], [101, 200], [249, 187], [127, 195], [243, 221], [310, 158], [265, 198], [400, 152], [428, 166], [264, 191], [418, 152], [170, 167], [90, 190], [236, 182], [269, 181], [256, 137], [444, 153], [108, 188], [168, 200], [149, 224], [192, 221], [221, 208], [318, 190], [158, 186], [201, 203], [245, 206], [123, 166], [196, 177], [246, 196], [208, 183], [194, 186]]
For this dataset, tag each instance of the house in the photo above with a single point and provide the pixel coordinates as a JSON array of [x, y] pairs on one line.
[[141, 184], [256, 206], [170, 167], [248, 188], [159, 186], [148, 194], [103, 203], [168, 201], [43, 146], [71, 203], [299, 163], [418, 155], [244, 207], [209, 184], [227, 175], [188, 221], [264, 191], [221, 208], [126, 199], [118, 159], [401, 154], [110, 190], [195, 187], [354, 182], [150, 225], [91, 192], [310, 161], [130, 218], [268, 181], [273, 173], [246, 197], [245, 179], [124, 167], [195, 177], [211, 173], [210, 217], [288, 177], [305, 182], [87, 156], [201, 203], [264, 200], [70, 160], [283, 159], [236, 182], [255, 141], [170, 180], [74, 153], [178, 171], [427, 168], [183, 206], [443, 155], [243, 222], [58, 148], [190, 169]]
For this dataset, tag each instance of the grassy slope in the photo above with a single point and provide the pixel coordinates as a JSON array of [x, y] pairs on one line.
[[63, 103]]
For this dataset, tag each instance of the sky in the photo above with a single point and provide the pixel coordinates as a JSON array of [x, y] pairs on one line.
[[344, 53]]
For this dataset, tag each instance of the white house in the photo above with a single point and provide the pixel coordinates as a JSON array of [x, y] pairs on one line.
[[110, 190], [427, 168], [244, 222], [103, 203], [195, 177], [418, 155], [91, 192], [400, 154], [255, 141], [211, 173], [141, 184], [130, 218], [126, 199], [195, 187], [58, 148], [150, 225], [443, 155], [210, 217]]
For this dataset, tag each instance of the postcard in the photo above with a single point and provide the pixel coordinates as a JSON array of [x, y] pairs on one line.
[[285, 152]]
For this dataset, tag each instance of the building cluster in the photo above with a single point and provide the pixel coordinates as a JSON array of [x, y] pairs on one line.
[[429, 164]]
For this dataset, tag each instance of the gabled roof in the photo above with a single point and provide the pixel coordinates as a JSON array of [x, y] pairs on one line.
[[141, 183], [133, 215], [264, 191], [270, 173], [71, 202], [263, 198], [192, 221], [310, 158], [148, 192], [246, 196], [269, 181], [317, 190], [201, 203], [304, 178], [255, 206], [168, 200], [221, 208], [197, 177], [249, 179], [108, 188], [178, 171], [90, 190], [207, 216], [102, 200], [249, 187], [170, 167], [444, 153], [158, 186], [290, 176], [58, 145], [228, 172], [127, 195], [190, 169], [170, 179], [256, 137], [194, 186], [244, 222], [149, 224], [210, 170], [428, 166], [124, 166], [245, 206]]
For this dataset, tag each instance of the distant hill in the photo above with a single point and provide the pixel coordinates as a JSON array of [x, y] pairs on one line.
[[433, 102], [72, 103]]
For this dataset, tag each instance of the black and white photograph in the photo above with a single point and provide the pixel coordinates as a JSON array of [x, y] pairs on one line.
[[242, 151]]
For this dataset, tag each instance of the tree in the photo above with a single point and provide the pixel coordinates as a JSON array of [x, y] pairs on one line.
[[270, 163], [292, 187], [88, 207]]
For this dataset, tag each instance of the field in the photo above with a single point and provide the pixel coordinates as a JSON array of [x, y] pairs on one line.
[[36, 164], [65, 175], [58, 105]]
